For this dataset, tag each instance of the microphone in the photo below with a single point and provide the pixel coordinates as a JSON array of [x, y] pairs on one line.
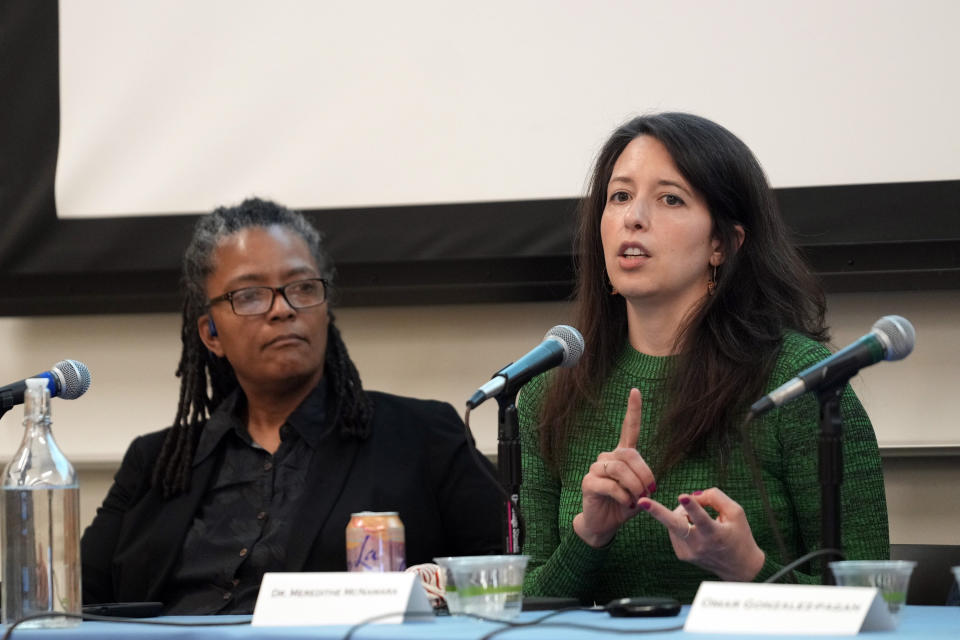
[[562, 346], [68, 379], [891, 338]]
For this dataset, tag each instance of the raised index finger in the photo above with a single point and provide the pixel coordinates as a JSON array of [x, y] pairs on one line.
[[630, 431]]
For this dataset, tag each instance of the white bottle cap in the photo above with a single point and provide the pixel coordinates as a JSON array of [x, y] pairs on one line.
[[36, 399], [36, 385]]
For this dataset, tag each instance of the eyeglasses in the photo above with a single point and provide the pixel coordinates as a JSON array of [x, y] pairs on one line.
[[252, 301]]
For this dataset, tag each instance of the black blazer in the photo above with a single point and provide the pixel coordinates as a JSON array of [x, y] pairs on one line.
[[416, 461]]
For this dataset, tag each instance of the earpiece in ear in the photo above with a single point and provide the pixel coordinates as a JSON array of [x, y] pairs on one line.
[[213, 327]]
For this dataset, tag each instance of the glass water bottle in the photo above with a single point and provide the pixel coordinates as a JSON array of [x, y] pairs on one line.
[[41, 523]]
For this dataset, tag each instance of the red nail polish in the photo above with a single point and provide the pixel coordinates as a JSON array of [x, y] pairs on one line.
[[644, 505], [685, 500], [652, 487], [697, 492]]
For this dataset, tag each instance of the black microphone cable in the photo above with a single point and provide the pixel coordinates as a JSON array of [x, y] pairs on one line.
[[96, 618], [540, 623], [510, 625]]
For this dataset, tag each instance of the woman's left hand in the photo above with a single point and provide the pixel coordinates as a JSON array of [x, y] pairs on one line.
[[724, 545]]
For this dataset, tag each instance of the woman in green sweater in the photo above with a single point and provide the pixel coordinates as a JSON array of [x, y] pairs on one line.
[[693, 303]]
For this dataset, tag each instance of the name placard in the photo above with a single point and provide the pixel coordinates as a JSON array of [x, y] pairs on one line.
[[787, 609], [308, 599]]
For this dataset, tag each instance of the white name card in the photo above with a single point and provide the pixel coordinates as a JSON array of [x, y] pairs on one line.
[[787, 609], [307, 599]]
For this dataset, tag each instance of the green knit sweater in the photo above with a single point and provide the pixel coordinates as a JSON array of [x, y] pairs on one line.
[[640, 559]]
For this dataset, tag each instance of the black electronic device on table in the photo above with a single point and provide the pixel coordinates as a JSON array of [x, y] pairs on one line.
[[125, 609], [652, 607]]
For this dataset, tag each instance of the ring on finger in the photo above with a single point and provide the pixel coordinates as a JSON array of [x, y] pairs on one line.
[[690, 526]]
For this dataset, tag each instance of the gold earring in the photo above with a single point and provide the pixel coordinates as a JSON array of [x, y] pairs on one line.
[[712, 282]]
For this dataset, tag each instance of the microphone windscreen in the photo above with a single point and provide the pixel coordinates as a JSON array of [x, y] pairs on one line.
[[900, 336], [74, 378], [571, 340]]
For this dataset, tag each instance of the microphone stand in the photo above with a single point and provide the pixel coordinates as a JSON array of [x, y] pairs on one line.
[[508, 465], [831, 470]]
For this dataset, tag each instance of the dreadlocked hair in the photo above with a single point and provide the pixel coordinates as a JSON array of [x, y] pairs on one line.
[[353, 409], [205, 379]]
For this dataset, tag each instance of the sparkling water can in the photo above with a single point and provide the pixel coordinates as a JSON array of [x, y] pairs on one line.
[[375, 542]]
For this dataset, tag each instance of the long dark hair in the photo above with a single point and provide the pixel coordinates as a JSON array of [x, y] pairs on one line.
[[728, 345], [205, 380]]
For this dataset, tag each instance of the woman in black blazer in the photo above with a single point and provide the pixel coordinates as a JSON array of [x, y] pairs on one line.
[[275, 442]]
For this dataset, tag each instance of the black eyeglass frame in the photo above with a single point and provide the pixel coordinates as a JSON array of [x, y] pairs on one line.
[[282, 290]]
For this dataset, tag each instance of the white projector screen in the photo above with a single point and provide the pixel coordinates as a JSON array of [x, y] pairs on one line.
[[182, 105], [440, 146]]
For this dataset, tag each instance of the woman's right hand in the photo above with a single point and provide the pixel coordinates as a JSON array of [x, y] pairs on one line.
[[615, 482]]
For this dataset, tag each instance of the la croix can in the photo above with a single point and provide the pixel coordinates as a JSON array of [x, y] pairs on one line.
[[375, 542]]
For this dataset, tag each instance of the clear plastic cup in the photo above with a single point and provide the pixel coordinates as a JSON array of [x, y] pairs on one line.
[[891, 577], [449, 587], [488, 586]]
